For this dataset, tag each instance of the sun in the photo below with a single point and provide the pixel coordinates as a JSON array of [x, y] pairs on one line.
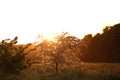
[[49, 36]]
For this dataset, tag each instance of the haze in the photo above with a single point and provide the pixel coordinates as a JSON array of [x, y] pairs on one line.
[[28, 18]]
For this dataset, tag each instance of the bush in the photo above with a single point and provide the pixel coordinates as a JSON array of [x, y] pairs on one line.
[[13, 57]]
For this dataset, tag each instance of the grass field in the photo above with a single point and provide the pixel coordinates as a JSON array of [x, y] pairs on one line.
[[86, 71]]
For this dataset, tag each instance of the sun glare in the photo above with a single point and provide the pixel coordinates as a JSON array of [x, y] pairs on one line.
[[49, 36]]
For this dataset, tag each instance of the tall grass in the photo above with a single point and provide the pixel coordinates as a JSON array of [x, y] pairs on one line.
[[81, 72]]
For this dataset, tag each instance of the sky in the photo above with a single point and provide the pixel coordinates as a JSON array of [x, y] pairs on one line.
[[29, 18]]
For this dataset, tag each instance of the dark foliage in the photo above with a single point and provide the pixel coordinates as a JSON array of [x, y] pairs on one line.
[[13, 57], [104, 47]]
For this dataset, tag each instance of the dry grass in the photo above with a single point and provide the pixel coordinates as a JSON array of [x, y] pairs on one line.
[[87, 71]]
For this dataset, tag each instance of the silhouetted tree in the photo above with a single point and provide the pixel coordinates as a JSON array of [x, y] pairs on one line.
[[60, 51], [83, 44], [13, 57], [105, 47]]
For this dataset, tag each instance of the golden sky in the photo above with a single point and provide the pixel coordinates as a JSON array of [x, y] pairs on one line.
[[28, 18]]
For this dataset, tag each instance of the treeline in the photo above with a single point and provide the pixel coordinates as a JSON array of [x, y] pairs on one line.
[[64, 50], [104, 47]]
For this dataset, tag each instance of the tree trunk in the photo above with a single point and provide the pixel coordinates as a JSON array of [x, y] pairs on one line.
[[57, 70]]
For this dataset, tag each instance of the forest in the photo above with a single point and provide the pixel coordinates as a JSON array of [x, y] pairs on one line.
[[61, 58]]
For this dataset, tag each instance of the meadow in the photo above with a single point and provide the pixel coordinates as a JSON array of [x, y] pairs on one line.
[[84, 71]]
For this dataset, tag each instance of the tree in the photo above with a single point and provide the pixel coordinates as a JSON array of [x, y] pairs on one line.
[[13, 57], [83, 45], [60, 51], [104, 47]]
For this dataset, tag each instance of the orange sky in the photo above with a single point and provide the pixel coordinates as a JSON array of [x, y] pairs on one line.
[[28, 18]]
